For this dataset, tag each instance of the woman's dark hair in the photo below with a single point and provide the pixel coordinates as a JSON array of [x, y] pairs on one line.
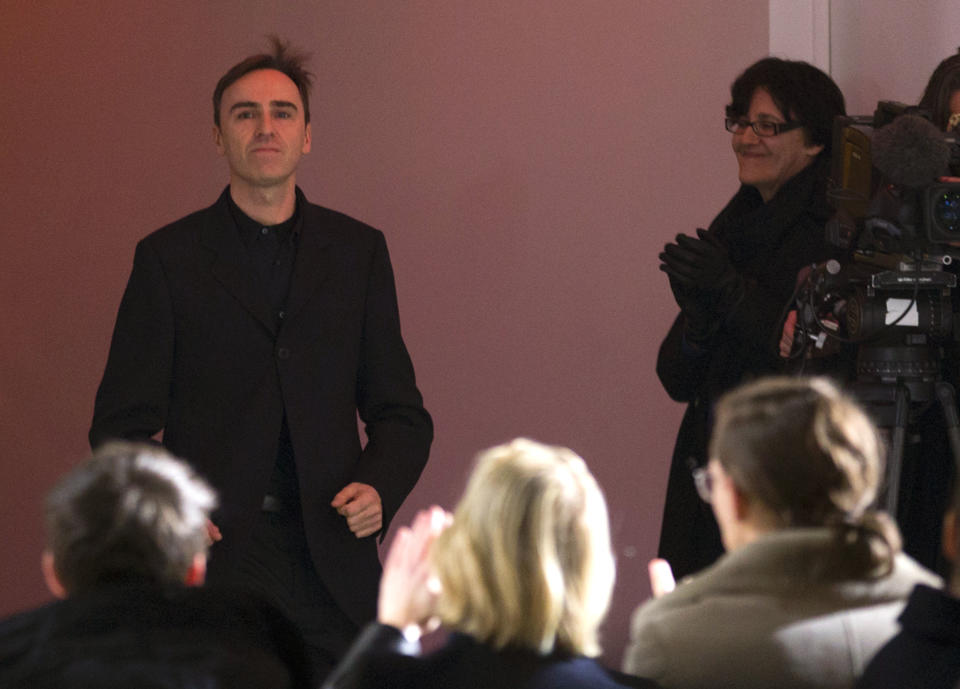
[[943, 82], [801, 91]]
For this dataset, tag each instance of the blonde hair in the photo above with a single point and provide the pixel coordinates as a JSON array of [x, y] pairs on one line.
[[811, 456], [527, 561]]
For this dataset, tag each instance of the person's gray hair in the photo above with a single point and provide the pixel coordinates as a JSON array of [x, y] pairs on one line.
[[132, 511]]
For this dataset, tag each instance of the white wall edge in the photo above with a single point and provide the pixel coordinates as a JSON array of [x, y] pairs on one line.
[[800, 30]]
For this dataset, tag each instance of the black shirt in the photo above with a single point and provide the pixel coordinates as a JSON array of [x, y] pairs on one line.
[[273, 250]]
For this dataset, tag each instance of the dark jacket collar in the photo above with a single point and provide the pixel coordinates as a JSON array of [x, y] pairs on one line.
[[233, 268]]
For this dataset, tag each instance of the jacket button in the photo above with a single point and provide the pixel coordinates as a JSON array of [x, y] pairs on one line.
[[283, 353]]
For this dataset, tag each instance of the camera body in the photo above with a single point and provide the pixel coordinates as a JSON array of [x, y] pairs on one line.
[[875, 213], [897, 228]]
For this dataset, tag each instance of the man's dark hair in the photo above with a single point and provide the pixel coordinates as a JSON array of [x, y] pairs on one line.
[[801, 91], [130, 512], [943, 82], [283, 59]]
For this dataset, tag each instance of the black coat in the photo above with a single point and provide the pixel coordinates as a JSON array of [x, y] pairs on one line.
[[198, 354], [768, 244], [141, 636], [926, 652], [382, 659]]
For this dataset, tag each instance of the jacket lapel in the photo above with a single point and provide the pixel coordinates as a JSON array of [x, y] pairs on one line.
[[311, 267], [231, 264]]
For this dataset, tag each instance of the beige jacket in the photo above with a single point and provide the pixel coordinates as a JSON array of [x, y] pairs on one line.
[[767, 615]]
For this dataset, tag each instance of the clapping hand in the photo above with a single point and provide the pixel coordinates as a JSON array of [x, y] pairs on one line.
[[408, 587], [703, 280], [698, 263], [661, 577]]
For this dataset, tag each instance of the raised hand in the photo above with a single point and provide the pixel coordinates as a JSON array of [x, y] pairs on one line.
[[408, 587]]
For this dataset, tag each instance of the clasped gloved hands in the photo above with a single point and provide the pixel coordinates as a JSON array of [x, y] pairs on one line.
[[704, 282]]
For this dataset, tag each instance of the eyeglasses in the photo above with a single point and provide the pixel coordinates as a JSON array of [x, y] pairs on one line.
[[703, 480], [738, 125]]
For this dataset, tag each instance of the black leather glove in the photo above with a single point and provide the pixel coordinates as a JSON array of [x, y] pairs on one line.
[[700, 319], [704, 282], [699, 263]]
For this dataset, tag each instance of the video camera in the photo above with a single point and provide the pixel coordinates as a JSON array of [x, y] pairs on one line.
[[887, 307], [883, 182], [898, 228]]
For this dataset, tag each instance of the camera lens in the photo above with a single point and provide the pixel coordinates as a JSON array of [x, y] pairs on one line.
[[946, 210]]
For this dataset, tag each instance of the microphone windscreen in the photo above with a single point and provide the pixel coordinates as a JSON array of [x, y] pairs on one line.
[[910, 151]]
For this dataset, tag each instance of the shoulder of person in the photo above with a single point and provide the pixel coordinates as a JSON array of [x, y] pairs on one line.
[[22, 632], [907, 573], [579, 671], [186, 230], [339, 225]]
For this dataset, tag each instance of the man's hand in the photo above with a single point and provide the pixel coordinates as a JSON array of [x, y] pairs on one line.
[[213, 533], [360, 504], [408, 587]]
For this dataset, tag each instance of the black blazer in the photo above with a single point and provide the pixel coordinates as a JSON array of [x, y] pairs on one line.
[[139, 635], [196, 353]]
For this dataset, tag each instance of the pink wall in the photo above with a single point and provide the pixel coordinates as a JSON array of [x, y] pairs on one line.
[[527, 161]]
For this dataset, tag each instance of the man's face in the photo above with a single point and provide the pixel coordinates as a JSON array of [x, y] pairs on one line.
[[766, 162], [262, 132]]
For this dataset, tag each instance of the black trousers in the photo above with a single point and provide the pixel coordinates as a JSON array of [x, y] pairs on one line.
[[277, 565]]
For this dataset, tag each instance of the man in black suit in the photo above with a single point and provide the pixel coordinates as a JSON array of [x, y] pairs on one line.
[[251, 334]]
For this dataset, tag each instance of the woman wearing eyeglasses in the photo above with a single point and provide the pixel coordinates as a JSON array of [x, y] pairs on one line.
[[813, 579], [733, 280]]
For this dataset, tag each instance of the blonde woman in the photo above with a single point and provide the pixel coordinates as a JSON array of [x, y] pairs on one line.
[[521, 575]]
